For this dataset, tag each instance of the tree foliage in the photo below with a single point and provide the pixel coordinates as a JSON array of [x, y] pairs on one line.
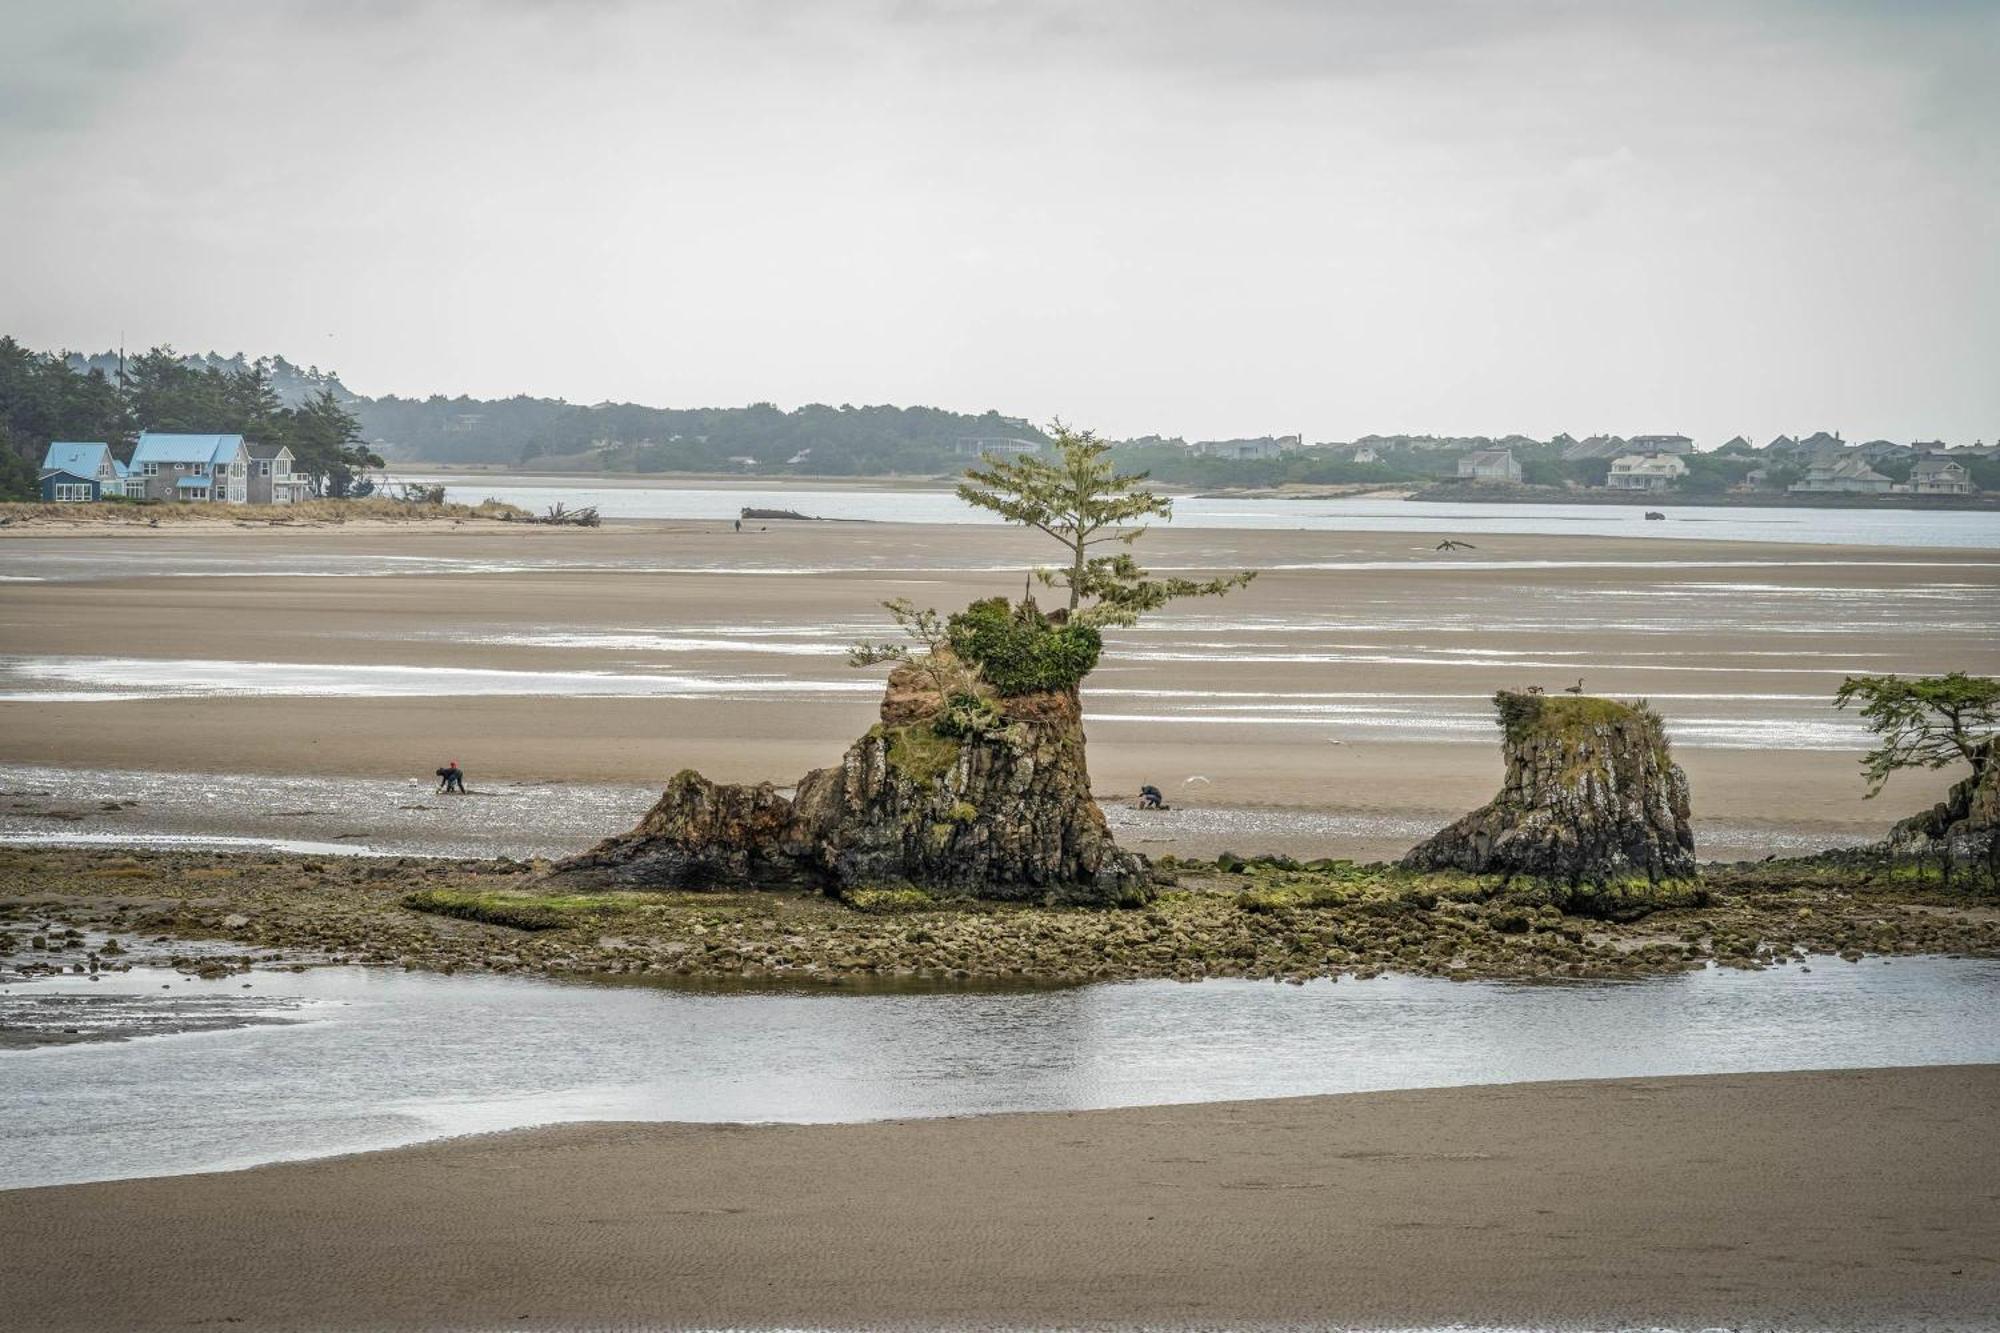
[[1018, 650], [1085, 504], [1925, 722]]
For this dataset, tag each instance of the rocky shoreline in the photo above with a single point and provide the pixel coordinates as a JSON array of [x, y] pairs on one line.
[[1268, 919]]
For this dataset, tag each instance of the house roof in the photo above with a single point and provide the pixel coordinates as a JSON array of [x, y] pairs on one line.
[[59, 473], [1490, 456], [270, 450], [1663, 463], [1933, 466], [154, 448], [191, 483], [77, 457]]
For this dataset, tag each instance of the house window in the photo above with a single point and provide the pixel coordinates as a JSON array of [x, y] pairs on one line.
[[68, 492], [150, 469], [263, 467]]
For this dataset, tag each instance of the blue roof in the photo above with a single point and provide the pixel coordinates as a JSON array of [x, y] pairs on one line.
[[189, 483], [153, 448], [76, 457], [63, 473]]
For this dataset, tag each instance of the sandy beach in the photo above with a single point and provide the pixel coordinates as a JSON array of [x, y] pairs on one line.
[[1837, 1199], [1350, 681]]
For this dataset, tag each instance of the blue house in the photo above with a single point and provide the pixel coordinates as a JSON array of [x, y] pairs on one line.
[[189, 467], [74, 471]]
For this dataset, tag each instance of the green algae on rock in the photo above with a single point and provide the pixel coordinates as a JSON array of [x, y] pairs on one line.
[[1594, 812]]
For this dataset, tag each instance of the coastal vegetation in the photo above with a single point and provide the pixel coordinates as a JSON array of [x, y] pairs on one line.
[[1929, 722]]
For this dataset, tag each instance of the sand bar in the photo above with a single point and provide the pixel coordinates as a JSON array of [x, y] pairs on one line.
[[1348, 681], [1839, 1199]]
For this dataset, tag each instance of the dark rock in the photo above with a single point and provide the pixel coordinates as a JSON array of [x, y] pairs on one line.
[[1591, 799], [1004, 814]]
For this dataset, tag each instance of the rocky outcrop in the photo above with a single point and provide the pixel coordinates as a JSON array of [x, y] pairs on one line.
[[1965, 827], [1592, 801], [1004, 813]]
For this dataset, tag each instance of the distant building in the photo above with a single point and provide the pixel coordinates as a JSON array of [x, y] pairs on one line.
[[1737, 445], [1940, 476], [1661, 444], [995, 447], [1882, 451], [189, 467], [1851, 475], [1595, 446], [1268, 447], [1489, 465], [75, 471], [1644, 472], [271, 479], [1819, 442], [1365, 454]]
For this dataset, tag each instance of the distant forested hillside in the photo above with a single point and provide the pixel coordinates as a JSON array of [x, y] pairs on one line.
[[550, 433]]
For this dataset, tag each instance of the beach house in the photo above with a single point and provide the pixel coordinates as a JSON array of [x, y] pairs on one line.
[[212, 468], [74, 471], [1489, 466], [1940, 476], [1843, 474], [272, 480], [1644, 472]]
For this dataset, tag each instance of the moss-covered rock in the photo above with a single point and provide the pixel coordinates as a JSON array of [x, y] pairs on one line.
[[1593, 806]]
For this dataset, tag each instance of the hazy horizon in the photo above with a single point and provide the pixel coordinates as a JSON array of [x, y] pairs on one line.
[[1173, 218]]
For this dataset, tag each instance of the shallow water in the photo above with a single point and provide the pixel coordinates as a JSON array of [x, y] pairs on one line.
[[1846, 527], [43, 805], [350, 1058]]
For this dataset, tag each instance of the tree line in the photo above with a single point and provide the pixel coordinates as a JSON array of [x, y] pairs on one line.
[[46, 397]]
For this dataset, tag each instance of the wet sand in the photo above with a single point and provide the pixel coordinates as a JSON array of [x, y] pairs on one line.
[[1347, 684], [1838, 1199]]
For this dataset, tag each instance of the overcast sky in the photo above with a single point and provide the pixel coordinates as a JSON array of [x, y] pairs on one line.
[[1186, 218]]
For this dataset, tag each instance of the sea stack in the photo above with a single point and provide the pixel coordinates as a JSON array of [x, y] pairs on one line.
[[1592, 802], [1003, 811]]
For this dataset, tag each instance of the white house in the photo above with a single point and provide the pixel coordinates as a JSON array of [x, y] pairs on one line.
[[189, 467], [1844, 474], [1489, 465], [1644, 472], [1940, 476]]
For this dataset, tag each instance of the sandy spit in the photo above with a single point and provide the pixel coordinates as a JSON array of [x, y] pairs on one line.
[[1835, 1199]]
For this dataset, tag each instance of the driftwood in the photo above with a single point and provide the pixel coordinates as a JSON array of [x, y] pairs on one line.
[[562, 516], [779, 513]]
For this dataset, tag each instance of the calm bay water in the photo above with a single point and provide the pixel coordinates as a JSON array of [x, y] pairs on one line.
[[1964, 530], [346, 1059]]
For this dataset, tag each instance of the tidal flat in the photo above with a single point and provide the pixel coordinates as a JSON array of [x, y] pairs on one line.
[[1268, 920]]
